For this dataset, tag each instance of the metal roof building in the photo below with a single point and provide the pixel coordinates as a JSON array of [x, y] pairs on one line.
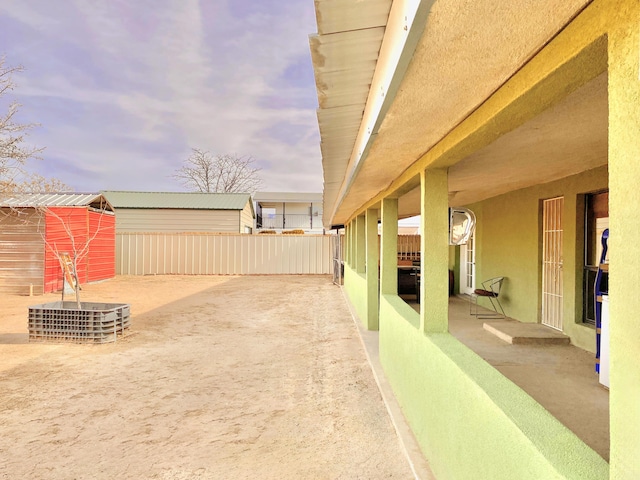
[[282, 211], [178, 200], [179, 212], [36, 228], [94, 200]]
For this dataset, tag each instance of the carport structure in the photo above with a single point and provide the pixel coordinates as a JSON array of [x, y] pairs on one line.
[[35, 228], [506, 109]]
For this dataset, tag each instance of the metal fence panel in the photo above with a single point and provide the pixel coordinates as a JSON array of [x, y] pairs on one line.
[[409, 247], [22, 247], [214, 254]]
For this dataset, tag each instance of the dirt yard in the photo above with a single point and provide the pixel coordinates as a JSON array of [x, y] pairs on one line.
[[259, 377]]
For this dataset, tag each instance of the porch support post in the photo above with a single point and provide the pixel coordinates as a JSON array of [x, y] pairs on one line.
[[624, 247], [371, 220], [361, 254], [350, 244], [345, 239], [389, 247], [434, 251]]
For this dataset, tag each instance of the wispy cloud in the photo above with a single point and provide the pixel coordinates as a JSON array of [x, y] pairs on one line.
[[124, 89]]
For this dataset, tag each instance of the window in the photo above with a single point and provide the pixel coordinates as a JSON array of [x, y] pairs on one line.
[[269, 219], [596, 220]]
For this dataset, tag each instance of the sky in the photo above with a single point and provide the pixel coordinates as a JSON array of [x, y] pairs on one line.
[[122, 90]]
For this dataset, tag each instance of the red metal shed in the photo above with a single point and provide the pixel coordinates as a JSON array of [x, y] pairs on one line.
[[36, 228]]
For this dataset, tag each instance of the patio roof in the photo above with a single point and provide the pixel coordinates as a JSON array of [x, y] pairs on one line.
[[465, 54], [345, 54]]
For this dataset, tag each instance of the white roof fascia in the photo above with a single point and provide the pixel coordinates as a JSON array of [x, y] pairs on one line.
[[288, 197], [406, 23]]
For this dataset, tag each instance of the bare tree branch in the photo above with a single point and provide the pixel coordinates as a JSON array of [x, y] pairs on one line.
[[80, 243], [35, 183], [206, 173], [13, 151]]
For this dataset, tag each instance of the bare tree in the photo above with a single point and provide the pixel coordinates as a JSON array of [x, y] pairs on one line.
[[13, 151], [79, 244], [204, 172], [35, 183]]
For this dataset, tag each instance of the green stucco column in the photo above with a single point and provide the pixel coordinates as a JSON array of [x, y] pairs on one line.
[[371, 220], [389, 247], [434, 252], [361, 254], [624, 241], [345, 239], [349, 228]]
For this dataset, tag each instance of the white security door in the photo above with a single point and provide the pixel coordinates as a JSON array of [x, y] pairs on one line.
[[468, 266], [552, 262]]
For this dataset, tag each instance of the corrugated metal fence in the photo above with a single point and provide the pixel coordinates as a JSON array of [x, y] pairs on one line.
[[211, 254], [21, 252]]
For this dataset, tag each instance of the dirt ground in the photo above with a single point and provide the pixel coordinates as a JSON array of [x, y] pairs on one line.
[[259, 377]]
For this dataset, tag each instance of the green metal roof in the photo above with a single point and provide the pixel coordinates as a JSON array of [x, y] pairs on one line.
[[180, 200]]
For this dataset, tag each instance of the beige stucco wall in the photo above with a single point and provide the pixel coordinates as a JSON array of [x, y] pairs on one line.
[[509, 243]]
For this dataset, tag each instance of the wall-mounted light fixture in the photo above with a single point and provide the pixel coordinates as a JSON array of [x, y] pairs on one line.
[[462, 223]]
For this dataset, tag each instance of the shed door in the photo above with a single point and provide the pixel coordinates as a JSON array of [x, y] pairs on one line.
[[552, 262]]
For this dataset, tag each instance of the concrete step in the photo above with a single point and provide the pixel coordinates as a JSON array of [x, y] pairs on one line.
[[519, 333]]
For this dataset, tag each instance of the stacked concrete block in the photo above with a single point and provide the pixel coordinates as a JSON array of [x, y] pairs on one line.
[[92, 323]]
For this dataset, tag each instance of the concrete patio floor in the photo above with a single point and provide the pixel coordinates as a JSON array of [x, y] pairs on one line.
[[559, 377]]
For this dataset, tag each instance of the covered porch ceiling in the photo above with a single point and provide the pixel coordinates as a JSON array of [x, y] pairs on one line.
[[567, 139], [468, 50]]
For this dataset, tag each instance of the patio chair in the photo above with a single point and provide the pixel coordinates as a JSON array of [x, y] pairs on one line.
[[408, 277], [417, 272], [491, 290]]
